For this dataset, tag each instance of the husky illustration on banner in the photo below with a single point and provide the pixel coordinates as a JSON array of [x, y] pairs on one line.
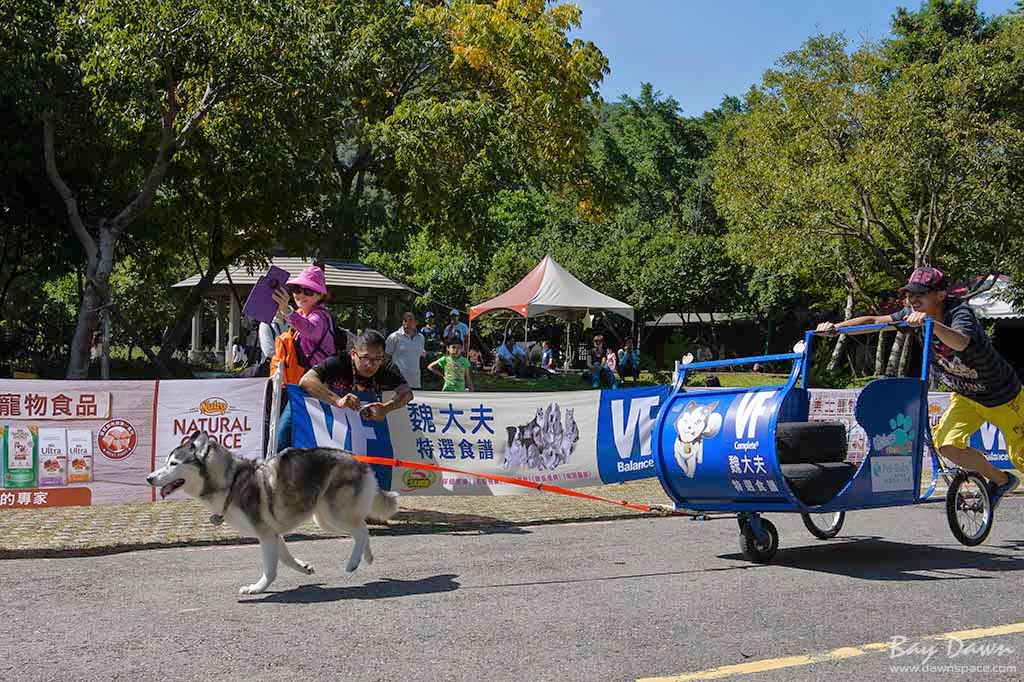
[[695, 423], [544, 442]]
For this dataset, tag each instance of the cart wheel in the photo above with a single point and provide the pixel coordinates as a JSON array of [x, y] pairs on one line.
[[969, 509], [824, 526], [758, 552]]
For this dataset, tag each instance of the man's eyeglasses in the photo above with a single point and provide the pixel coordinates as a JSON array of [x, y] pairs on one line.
[[370, 359], [296, 289]]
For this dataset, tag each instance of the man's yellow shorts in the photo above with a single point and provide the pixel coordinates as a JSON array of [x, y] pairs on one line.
[[965, 416]]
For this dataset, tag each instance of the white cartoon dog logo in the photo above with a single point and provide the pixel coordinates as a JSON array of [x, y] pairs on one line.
[[696, 423]]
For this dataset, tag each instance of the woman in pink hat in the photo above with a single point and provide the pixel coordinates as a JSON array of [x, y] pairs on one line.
[[312, 321]]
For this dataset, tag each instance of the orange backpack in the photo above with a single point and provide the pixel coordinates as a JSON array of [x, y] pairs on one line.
[[288, 352]]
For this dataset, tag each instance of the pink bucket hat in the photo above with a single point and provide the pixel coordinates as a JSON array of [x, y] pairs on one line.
[[311, 278]]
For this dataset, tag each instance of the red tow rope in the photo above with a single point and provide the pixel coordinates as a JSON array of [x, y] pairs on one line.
[[401, 463]]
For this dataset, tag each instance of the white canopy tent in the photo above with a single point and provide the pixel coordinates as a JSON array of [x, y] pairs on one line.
[[550, 289], [994, 303]]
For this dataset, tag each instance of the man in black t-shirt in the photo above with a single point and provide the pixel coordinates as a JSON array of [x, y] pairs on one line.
[[985, 386], [365, 369]]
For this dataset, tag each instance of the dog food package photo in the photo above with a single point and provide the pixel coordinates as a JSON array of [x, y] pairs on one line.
[[21, 459], [79, 456], [53, 457]]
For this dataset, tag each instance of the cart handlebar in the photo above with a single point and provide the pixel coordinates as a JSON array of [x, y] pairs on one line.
[[708, 364], [880, 327]]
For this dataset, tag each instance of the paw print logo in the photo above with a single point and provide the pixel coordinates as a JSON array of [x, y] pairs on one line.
[[902, 431]]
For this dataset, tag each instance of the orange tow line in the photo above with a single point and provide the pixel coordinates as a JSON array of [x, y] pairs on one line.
[[401, 463]]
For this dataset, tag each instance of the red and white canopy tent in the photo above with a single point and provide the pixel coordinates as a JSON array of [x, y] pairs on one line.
[[550, 289]]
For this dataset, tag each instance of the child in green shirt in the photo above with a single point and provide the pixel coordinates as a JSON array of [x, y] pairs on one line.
[[454, 369]]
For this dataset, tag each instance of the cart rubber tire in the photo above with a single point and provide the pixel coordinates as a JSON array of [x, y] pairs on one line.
[[816, 484], [981, 534], [810, 442], [826, 532], [752, 549]]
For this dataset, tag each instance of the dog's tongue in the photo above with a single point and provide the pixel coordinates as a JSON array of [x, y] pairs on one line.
[[170, 488]]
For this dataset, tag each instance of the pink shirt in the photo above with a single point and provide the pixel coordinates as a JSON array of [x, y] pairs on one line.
[[311, 329]]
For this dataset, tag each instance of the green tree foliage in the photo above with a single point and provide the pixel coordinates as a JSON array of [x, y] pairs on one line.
[[873, 162], [234, 127]]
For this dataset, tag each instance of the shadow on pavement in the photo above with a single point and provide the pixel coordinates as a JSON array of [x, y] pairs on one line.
[[378, 589], [874, 559], [626, 576]]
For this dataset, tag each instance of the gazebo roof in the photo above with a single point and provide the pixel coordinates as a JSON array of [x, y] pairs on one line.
[[349, 278]]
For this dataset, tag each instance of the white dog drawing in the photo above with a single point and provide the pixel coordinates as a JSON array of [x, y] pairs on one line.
[[696, 423]]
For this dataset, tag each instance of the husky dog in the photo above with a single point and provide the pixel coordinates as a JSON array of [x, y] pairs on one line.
[[267, 499], [695, 423]]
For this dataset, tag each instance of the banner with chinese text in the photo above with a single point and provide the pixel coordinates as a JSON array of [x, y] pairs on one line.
[[65, 443]]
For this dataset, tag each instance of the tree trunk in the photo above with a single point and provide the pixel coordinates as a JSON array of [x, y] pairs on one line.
[[893, 365], [880, 354], [96, 295], [837, 352], [905, 355], [183, 320]]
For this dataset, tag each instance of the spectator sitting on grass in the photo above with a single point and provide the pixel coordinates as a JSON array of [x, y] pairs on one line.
[[598, 367], [510, 359], [476, 358], [629, 362], [548, 359]]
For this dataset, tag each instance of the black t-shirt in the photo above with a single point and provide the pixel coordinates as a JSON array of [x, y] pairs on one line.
[[978, 371], [339, 373]]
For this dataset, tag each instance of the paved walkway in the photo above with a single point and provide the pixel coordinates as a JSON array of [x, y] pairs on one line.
[[104, 529]]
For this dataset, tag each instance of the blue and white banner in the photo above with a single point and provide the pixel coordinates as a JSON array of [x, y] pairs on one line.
[[624, 427], [317, 424], [571, 439], [555, 438]]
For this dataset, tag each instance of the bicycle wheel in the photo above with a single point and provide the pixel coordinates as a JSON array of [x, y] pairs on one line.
[[824, 526], [969, 509]]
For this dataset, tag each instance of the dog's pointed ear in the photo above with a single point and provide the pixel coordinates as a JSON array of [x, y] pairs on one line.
[[200, 444]]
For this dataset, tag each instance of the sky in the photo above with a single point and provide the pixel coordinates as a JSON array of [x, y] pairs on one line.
[[698, 51]]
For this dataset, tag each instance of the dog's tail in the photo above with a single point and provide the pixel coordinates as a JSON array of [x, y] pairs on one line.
[[385, 504]]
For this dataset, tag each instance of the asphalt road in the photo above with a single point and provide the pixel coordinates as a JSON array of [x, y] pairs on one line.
[[616, 600]]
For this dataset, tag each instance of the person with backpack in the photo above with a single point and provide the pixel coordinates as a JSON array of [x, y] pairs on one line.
[[310, 340]]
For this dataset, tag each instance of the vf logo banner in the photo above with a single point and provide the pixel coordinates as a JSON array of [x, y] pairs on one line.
[[624, 432]]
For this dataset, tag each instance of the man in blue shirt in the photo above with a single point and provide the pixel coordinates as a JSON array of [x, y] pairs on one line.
[[510, 359]]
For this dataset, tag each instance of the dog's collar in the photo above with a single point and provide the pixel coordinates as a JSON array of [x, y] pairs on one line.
[[218, 519]]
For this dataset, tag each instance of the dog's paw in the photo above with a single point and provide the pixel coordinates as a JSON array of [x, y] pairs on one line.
[[352, 566], [304, 567], [368, 556], [250, 589]]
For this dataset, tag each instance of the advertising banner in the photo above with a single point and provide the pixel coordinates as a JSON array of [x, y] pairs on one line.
[[231, 411], [542, 437], [73, 443], [94, 442], [76, 442], [839, 404]]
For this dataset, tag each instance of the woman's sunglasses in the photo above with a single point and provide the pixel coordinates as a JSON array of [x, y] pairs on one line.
[[296, 289]]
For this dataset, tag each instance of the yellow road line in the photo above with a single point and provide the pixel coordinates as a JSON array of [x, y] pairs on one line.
[[834, 655]]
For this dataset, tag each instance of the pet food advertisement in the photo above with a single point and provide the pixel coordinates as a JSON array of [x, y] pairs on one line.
[[542, 437], [838, 405], [230, 411], [72, 443]]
